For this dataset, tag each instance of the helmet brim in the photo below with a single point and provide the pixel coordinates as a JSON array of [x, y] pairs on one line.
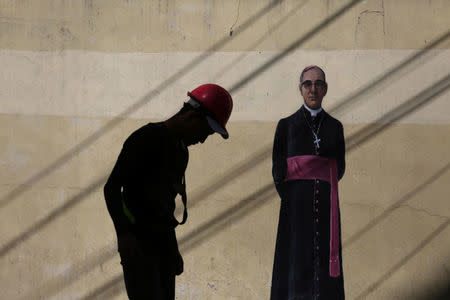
[[216, 127]]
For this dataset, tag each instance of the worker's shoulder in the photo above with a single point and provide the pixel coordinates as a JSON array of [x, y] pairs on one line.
[[147, 135]]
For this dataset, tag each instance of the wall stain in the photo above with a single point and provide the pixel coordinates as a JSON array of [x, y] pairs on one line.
[[207, 14], [89, 4], [212, 286], [378, 12], [237, 17], [66, 34]]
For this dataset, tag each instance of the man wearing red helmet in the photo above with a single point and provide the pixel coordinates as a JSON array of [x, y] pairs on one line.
[[308, 161], [140, 192]]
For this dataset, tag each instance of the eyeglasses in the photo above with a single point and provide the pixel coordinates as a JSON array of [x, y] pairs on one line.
[[320, 84]]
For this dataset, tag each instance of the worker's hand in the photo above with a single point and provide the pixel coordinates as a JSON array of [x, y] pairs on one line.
[[179, 264]]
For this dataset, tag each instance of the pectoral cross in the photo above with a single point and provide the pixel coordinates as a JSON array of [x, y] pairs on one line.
[[316, 142]]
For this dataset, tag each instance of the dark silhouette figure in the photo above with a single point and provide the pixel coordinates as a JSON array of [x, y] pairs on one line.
[[140, 192], [308, 161]]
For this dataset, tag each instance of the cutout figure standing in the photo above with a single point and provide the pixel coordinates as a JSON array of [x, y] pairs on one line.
[[308, 161]]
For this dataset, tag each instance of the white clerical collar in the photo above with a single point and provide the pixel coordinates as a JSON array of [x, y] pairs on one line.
[[313, 112]]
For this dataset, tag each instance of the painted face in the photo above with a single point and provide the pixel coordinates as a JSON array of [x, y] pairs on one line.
[[313, 88]]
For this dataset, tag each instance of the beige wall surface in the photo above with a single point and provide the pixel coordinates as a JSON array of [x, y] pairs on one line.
[[199, 25], [79, 76]]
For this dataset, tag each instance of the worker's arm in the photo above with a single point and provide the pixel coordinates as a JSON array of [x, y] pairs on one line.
[[113, 192]]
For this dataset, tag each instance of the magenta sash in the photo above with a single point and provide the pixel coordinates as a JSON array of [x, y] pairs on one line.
[[322, 168]]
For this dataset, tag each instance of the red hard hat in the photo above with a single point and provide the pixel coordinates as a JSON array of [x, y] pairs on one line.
[[218, 102]]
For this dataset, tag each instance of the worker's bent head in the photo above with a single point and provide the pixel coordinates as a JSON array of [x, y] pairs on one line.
[[215, 103], [207, 111]]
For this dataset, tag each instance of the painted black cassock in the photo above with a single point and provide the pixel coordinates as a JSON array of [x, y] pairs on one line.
[[301, 264]]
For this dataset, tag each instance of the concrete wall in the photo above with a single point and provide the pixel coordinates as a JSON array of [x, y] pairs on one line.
[[77, 77]]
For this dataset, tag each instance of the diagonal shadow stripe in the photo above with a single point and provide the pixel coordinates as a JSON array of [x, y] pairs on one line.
[[91, 188], [361, 136], [403, 261], [203, 232], [227, 178], [439, 289], [423, 98], [108, 290], [390, 76], [219, 222], [338, 109], [197, 236], [209, 224], [76, 271], [114, 122], [269, 151], [396, 205], [188, 242], [115, 286], [293, 46], [119, 119], [51, 217], [71, 203], [170, 81], [236, 61]]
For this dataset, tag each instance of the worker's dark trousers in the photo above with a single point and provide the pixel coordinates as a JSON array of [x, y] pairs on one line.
[[146, 276]]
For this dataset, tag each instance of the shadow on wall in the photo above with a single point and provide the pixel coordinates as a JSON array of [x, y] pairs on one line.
[[199, 235], [94, 137], [358, 138], [69, 204], [267, 191], [440, 293], [110, 289], [236, 61], [98, 183], [403, 261], [246, 204], [396, 205], [148, 97], [425, 97]]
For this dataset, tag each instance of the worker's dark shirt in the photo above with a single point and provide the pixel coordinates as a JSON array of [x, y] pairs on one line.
[[150, 164]]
